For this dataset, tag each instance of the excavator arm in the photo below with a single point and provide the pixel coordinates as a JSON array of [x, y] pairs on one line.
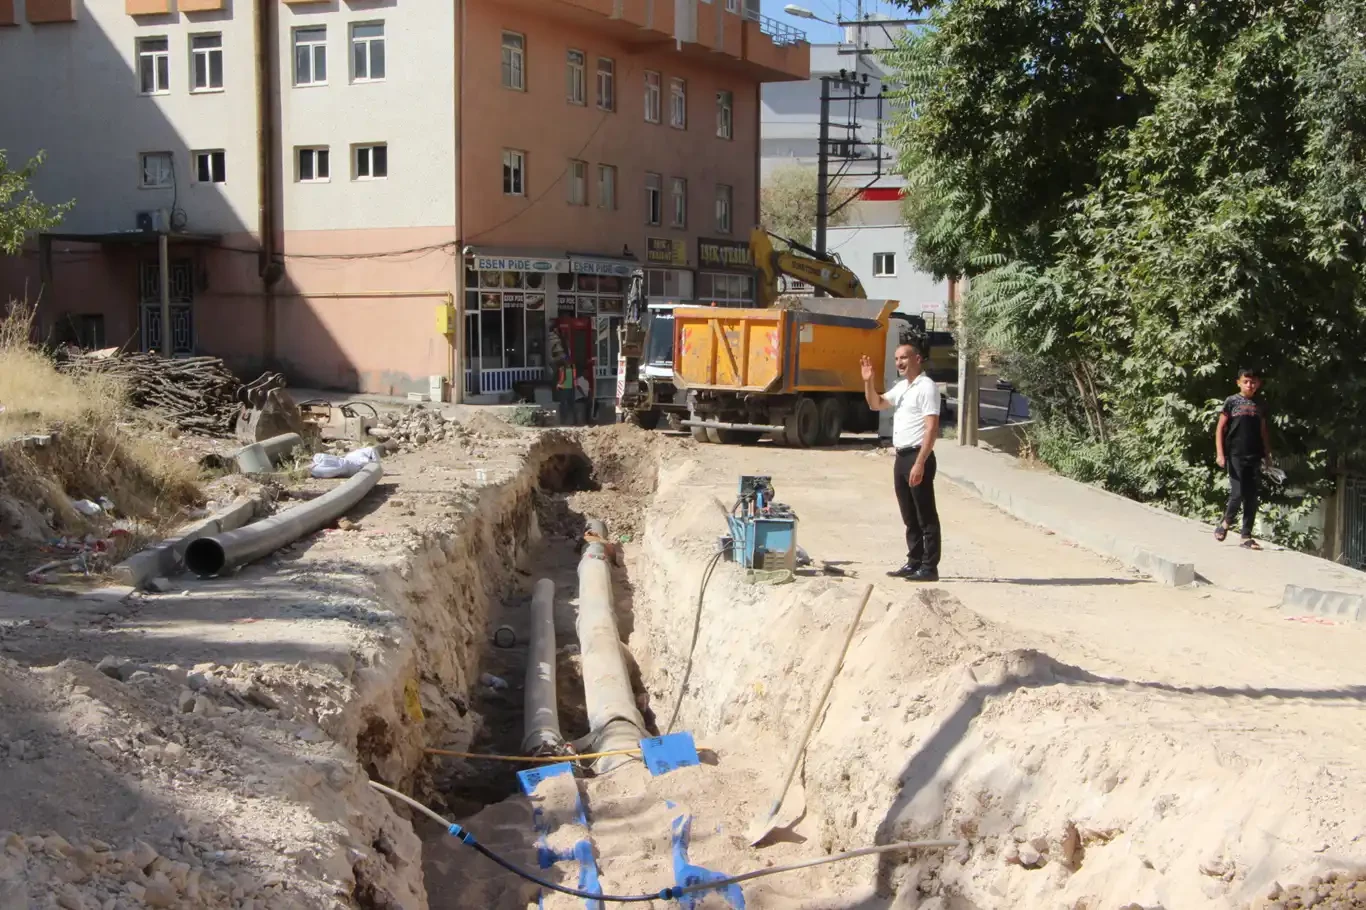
[[826, 273]]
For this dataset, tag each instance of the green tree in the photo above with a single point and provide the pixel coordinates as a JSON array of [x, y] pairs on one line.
[[787, 203], [21, 213], [1148, 197]]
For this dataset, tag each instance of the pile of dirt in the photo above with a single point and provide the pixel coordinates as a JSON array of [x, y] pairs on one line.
[[626, 461]]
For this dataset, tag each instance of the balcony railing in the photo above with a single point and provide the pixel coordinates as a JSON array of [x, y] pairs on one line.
[[783, 35]]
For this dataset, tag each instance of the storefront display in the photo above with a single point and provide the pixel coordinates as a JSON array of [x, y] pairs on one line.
[[726, 272]]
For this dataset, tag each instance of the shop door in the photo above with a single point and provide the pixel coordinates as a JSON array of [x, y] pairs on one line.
[[579, 342], [182, 307]]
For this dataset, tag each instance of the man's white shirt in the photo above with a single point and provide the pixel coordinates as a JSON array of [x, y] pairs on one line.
[[911, 403]]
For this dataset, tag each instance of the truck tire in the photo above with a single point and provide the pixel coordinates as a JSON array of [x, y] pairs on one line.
[[802, 429], [699, 434], [832, 421], [646, 420]]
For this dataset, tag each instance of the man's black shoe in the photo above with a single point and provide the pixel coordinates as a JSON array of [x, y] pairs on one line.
[[924, 573], [906, 571]]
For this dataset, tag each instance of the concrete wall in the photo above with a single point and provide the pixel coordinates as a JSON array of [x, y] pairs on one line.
[[918, 292]]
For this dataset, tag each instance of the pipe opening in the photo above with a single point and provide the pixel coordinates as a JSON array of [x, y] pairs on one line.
[[205, 557]]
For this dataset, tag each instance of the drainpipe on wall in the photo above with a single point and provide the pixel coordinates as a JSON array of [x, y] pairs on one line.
[[267, 268], [458, 336]]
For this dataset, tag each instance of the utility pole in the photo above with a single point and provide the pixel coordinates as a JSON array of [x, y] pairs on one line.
[[823, 169]]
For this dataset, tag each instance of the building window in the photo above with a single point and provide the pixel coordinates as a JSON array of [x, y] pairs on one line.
[[310, 56], [680, 202], [607, 84], [210, 167], [576, 78], [158, 171], [314, 165], [675, 284], [154, 66], [367, 51], [206, 57], [884, 265], [514, 61], [654, 202], [578, 183], [372, 162], [678, 104], [514, 173], [607, 187], [652, 97], [725, 115], [725, 201], [732, 6], [724, 288]]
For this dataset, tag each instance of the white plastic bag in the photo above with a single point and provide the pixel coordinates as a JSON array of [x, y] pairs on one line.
[[329, 466]]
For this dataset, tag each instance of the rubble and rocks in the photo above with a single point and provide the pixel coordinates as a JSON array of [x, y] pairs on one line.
[[416, 426], [195, 394]]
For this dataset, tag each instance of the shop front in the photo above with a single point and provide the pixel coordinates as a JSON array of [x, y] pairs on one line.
[[725, 272], [513, 300]]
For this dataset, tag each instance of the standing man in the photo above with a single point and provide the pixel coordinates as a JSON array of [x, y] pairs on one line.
[[1242, 441], [915, 427]]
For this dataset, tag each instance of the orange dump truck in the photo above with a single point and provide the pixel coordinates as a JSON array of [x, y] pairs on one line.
[[790, 371]]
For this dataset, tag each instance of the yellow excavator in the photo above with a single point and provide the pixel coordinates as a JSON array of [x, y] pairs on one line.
[[824, 272]]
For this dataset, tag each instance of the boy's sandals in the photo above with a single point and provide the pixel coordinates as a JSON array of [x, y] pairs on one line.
[[1220, 532], [1250, 544]]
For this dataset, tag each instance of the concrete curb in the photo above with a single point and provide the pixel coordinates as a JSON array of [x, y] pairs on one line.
[[168, 557], [1338, 605], [1167, 570]]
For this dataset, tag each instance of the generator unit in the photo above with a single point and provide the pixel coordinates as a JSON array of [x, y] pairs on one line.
[[763, 532]]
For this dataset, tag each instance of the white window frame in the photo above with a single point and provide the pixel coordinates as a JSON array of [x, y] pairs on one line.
[[654, 96], [159, 58], [312, 40], [166, 175], [725, 208], [206, 55], [514, 160], [363, 158], [316, 154], [576, 77], [365, 44], [732, 6], [884, 265], [513, 75], [678, 103], [678, 197], [736, 289], [607, 187], [199, 156], [576, 183], [654, 199], [725, 114], [607, 84]]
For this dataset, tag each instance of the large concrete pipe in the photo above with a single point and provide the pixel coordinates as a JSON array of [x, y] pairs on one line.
[[210, 555], [613, 716], [540, 709]]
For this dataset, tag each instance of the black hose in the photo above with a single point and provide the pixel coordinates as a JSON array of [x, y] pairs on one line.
[[467, 838], [696, 630]]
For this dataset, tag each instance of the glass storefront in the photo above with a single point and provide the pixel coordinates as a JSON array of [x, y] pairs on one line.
[[725, 288]]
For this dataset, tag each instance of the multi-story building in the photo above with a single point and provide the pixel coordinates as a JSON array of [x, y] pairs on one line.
[[368, 194]]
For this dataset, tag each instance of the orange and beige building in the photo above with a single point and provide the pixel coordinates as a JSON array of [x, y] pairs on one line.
[[365, 194]]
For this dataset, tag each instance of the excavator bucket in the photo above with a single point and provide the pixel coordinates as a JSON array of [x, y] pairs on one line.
[[267, 410]]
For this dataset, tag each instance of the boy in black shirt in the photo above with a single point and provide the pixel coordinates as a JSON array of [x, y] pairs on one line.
[[1242, 442]]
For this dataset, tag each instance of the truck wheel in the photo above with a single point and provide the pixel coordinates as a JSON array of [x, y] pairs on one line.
[[646, 420], [802, 428], [832, 421], [699, 434], [716, 437]]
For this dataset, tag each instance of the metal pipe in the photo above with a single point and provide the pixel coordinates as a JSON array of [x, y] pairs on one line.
[[541, 714], [613, 717], [164, 267], [208, 556], [718, 425], [276, 447]]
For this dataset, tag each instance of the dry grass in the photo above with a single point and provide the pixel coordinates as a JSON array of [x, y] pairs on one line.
[[91, 454]]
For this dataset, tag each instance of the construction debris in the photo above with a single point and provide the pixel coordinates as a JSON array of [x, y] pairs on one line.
[[416, 426], [195, 394]]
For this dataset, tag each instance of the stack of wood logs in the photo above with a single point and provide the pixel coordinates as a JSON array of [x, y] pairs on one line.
[[196, 394]]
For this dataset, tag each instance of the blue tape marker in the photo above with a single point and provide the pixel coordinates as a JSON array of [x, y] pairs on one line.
[[663, 754], [686, 874], [532, 777], [588, 873]]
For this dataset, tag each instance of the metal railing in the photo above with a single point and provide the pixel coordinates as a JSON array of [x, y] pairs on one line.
[[782, 34], [488, 382]]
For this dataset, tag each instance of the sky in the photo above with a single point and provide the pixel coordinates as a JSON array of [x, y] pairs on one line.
[[820, 33]]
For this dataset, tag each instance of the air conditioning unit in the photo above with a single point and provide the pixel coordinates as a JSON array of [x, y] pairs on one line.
[[155, 221]]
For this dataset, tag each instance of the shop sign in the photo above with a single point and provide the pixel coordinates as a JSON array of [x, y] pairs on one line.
[[727, 255], [601, 267], [514, 298], [519, 264], [665, 251]]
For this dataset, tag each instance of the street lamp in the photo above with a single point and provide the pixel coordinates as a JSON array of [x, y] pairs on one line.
[[801, 12]]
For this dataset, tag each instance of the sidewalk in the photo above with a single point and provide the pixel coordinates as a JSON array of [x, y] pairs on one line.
[[1170, 548]]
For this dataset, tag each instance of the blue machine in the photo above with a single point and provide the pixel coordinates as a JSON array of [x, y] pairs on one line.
[[763, 532]]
